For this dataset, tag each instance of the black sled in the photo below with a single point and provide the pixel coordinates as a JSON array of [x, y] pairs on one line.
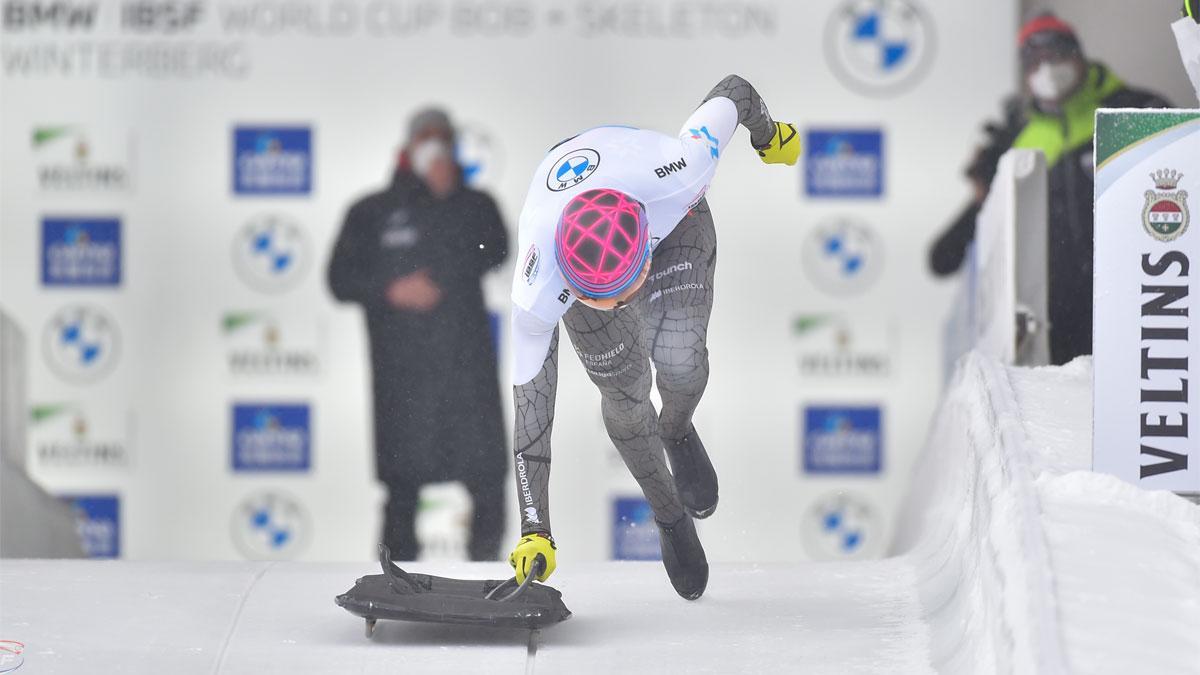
[[398, 595]]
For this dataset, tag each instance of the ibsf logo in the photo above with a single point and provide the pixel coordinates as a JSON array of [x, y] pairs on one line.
[[64, 436], [272, 160], [261, 345], [842, 257], [635, 534], [841, 526], [274, 437], [533, 261], [98, 521], [572, 169], [68, 159], [81, 251], [11, 655], [270, 526], [271, 253], [1166, 216], [879, 47], [81, 343]]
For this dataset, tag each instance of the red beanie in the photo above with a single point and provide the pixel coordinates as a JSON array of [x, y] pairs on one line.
[[1043, 24]]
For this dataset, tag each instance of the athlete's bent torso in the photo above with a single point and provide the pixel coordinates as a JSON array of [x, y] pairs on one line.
[[665, 321]]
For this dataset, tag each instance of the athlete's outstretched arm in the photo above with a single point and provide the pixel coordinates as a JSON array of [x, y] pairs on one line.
[[752, 112], [533, 402], [716, 120]]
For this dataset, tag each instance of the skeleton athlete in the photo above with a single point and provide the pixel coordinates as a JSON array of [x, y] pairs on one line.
[[617, 241]]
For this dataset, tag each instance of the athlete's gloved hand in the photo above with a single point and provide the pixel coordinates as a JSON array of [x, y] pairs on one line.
[[529, 549], [1191, 8], [784, 147]]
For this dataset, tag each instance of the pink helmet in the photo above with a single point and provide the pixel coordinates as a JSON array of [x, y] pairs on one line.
[[602, 242]]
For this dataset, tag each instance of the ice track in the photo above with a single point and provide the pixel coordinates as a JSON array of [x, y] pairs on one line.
[[1012, 558]]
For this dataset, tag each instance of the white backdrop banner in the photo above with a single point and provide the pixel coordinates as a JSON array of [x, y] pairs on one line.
[[175, 174]]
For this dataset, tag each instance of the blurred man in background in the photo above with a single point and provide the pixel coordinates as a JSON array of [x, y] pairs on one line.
[[412, 255], [1062, 91]]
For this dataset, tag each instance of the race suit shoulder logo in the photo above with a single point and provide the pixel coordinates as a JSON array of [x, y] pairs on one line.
[[80, 251], [270, 526], [1166, 216], [572, 169], [81, 343], [271, 253], [713, 144], [532, 264], [842, 256], [879, 47], [272, 160]]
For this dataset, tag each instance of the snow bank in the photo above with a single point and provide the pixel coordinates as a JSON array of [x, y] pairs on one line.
[[1025, 561]]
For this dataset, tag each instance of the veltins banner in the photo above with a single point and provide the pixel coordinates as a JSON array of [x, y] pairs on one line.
[[1147, 193]]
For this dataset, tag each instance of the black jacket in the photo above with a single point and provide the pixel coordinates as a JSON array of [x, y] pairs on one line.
[[437, 394], [1066, 139]]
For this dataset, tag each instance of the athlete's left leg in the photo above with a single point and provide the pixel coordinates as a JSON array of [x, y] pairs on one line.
[[676, 306]]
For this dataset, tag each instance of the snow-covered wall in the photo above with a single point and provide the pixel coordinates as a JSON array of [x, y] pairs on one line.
[[1024, 560]]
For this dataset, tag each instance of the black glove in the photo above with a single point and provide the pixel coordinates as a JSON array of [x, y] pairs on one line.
[[1191, 8]]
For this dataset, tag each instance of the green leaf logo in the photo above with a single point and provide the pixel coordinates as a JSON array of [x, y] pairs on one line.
[[43, 135], [809, 322], [233, 321], [41, 413]]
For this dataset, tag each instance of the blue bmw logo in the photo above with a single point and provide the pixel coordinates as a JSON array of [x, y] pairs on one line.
[[880, 47], [572, 169]]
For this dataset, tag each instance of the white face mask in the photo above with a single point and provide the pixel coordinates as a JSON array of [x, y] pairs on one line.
[[425, 153], [1052, 82]]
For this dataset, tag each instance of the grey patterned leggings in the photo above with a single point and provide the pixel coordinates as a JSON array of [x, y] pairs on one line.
[[666, 323]]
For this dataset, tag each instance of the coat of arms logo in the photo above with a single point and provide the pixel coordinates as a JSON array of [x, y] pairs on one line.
[[1166, 214]]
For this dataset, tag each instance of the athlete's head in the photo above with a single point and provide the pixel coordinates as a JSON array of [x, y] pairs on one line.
[[602, 246]]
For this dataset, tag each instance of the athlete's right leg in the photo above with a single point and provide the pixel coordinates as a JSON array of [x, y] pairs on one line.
[[611, 347]]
